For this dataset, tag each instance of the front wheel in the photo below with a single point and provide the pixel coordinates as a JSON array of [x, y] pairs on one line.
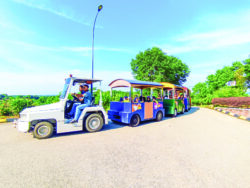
[[43, 130], [135, 121], [94, 122], [159, 116]]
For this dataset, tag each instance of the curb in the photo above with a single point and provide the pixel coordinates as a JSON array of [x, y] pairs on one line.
[[3, 120], [7, 120], [231, 114]]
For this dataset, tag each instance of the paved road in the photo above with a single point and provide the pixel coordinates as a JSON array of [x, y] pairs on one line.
[[202, 148]]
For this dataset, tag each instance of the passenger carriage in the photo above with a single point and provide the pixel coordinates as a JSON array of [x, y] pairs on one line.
[[133, 113], [172, 102]]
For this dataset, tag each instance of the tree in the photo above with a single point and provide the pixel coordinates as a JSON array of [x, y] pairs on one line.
[[154, 65], [227, 73], [215, 86], [247, 71], [201, 94]]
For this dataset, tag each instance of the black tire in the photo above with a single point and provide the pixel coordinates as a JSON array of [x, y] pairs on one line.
[[135, 120], [43, 129], [182, 110], [175, 113], [159, 116], [94, 123]]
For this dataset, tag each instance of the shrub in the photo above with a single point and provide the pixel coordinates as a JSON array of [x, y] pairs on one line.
[[232, 102]]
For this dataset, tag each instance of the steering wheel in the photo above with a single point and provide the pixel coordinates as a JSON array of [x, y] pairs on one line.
[[75, 99]]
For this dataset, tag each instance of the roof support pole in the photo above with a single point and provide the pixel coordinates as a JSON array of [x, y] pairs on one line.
[[130, 93], [111, 94], [100, 101]]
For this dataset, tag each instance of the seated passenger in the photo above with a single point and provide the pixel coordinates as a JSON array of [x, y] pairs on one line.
[[148, 99], [156, 103], [181, 96], [136, 99], [154, 100], [142, 99], [121, 99], [159, 97], [126, 99]]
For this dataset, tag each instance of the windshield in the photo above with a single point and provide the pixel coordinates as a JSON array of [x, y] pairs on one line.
[[64, 92], [65, 88]]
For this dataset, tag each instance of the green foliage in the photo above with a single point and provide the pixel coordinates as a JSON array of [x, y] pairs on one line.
[[106, 98], [247, 71], [215, 86], [5, 109], [229, 92], [154, 65], [13, 105], [201, 94], [18, 104]]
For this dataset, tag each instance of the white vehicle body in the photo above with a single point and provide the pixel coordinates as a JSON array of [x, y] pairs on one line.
[[55, 113]]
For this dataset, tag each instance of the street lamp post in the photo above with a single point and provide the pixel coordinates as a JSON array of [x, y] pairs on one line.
[[99, 9]]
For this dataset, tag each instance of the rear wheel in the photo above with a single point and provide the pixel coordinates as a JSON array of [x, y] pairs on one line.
[[43, 130], [175, 113], [159, 116], [94, 122], [183, 110], [135, 121]]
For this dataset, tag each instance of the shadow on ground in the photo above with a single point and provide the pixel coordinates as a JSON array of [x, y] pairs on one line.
[[112, 125]]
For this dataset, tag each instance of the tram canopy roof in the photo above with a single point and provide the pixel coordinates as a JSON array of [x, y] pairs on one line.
[[185, 88], [169, 85], [133, 83]]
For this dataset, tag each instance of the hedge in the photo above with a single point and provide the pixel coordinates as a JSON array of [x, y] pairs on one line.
[[242, 102]]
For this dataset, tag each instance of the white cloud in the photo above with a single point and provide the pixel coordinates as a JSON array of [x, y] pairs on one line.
[[80, 50], [226, 30], [46, 6], [49, 83], [209, 41], [195, 77], [6, 25]]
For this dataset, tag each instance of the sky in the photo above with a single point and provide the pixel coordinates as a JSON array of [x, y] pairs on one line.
[[43, 41]]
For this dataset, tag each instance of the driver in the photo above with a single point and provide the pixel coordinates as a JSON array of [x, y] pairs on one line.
[[87, 98], [80, 99]]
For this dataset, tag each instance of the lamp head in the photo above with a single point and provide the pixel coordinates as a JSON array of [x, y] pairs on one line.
[[100, 8]]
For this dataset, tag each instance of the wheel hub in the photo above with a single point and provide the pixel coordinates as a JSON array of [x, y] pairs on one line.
[[43, 130], [94, 123]]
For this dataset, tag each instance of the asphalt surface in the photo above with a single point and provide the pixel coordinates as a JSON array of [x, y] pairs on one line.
[[202, 148]]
